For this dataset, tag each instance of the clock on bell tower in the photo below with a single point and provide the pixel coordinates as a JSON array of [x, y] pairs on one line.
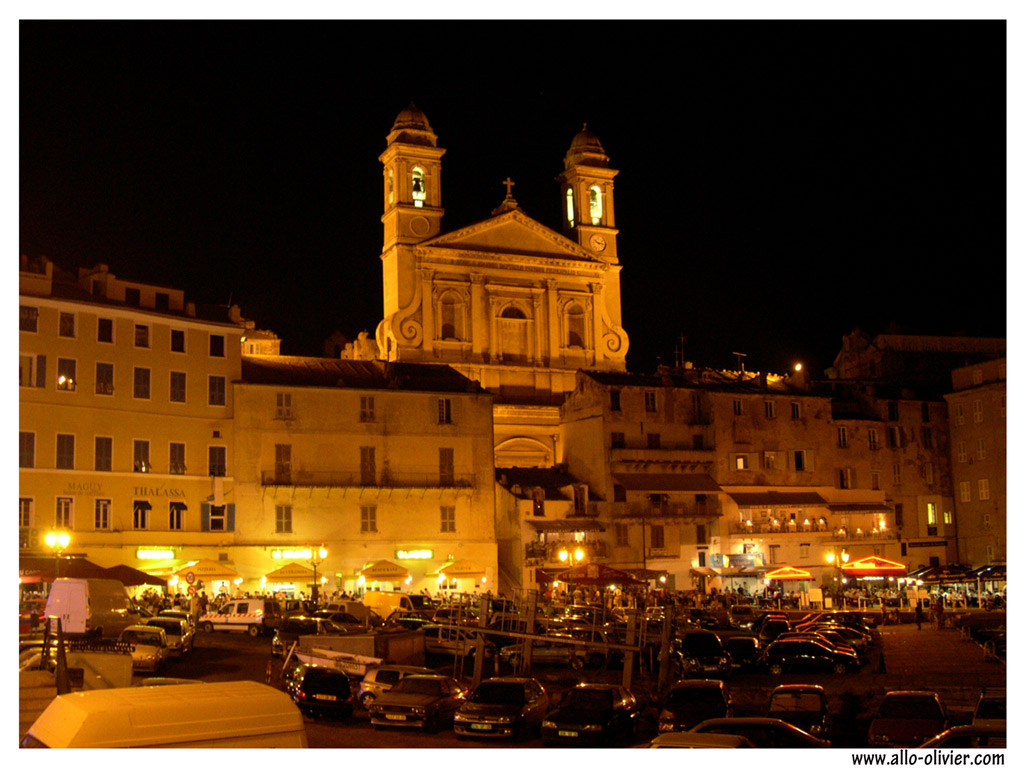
[[588, 210]]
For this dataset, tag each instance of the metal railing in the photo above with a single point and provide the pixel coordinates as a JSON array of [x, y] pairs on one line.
[[624, 509], [325, 479], [547, 552]]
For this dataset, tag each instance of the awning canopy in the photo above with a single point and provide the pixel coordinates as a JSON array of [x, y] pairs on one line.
[[596, 575], [384, 570], [133, 577], [874, 566], [742, 571], [694, 482], [207, 570], [462, 569], [567, 525], [788, 573], [33, 570], [948, 574], [995, 572], [702, 572], [777, 499], [289, 573], [645, 574]]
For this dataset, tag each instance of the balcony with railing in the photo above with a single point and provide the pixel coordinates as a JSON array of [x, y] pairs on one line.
[[547, 553], [358, 479], [821, 528], [621, 510]]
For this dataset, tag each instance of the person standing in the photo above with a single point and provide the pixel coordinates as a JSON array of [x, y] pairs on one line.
[[918, 614]]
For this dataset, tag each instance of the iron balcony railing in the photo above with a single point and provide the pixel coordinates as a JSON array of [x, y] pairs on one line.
[[623, 509], [538, 552]]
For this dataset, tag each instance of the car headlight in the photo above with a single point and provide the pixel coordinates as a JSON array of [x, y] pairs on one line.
[[691, 662], [664, 725], [506, 719], [594, 727], [724, 661], [815, 729], [419, 710], [548, 724], [460, 718]]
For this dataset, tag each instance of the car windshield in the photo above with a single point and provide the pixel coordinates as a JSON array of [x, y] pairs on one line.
[[701, 644], [170, 627], [589, 698], [694, 697], [499, 693], [425, 686], [794, 701], [142, 638], [910, 707]]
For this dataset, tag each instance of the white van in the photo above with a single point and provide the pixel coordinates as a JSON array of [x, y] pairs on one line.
[[99, 607], [246, 614], [239, 714]]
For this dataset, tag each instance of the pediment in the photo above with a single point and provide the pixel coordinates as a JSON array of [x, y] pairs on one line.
[[512, 233]]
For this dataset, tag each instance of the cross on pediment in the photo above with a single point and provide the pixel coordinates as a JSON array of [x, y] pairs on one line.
[[508, 186]]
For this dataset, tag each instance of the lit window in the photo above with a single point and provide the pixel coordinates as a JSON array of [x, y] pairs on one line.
[[570, 210], [932, 514], [141, 456], [742, 461], [596, 205], [947, 517], [419, 187], [66, 374], [104, 378], [176, 451]]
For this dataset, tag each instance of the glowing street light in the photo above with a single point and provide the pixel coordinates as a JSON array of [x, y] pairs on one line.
[[317, 556], [58, 541]]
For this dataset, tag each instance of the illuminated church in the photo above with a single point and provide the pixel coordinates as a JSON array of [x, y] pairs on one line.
[[507, 301]]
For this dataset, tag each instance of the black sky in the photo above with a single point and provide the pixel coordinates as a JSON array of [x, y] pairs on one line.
[[780, 184]]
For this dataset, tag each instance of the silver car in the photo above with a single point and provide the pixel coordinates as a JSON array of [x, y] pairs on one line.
[[180, 637], [148, 644], [382, 679]]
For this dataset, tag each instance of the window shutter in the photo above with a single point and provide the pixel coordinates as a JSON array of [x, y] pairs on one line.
[[231, 517], [790, 459], [809, 460], [205, 514], [41, 371]]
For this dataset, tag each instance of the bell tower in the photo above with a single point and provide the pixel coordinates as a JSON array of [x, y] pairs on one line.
[[412, 202], [588, 197]]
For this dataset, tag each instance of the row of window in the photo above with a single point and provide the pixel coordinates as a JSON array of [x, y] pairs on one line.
[[367, 519], [978, 409], [896, 437], [983, 491], [212, 517], [367, 464], [32, 373], [442, 408], [980, 454], [796, 409], [67, 327], [103, 454]]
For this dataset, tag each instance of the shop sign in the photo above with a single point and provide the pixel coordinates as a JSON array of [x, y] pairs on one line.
[[160, 491], [151, 553], [291, 554], [927, 543], [414, 554], [78, 486]]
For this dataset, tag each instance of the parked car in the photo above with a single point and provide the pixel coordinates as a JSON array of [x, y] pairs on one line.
[[860, 639], [705, 619], [592, 713], [700, 653], [320, 691], [149, 646], [176, 613], [554, 649], [419, 701], [742, 616], [294, 627], [408, 620], [689, 702], [243, 615], [180, 637], [805, 706], [809, 656], [503, 706], [907, 719], [692, 740], [744, 650], [378, 680], [969, 737], [763, 732], [772, 628], [342, 619], [991, 708], [833, 641], [453, 640]]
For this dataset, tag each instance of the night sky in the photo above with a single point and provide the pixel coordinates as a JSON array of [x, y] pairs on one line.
[[780, 183]]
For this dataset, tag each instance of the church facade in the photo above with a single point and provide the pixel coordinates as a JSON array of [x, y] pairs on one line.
[[507, 301]]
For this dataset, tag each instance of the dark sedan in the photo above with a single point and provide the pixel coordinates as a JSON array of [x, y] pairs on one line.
[[293, 627], [700, 653], [419, 701], [907, 719], [808, 656], [763, 732], [320, 691], [592, 713], [689, 702], [502, 706]]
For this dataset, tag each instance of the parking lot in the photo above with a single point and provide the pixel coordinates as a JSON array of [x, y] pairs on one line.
[[941, 661]]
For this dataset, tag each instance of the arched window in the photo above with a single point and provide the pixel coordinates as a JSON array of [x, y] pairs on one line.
[[391, 186], [419, 187], [575, 323], [596, 205], [514, 313], [570, 211], [451, 309]]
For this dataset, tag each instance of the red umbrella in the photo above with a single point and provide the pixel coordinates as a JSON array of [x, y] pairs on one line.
[[596, 575], [41, 569]]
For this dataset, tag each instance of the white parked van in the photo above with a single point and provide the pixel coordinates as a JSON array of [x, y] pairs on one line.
[[240, 715], [99, 607], [384, 603], [247, 614]]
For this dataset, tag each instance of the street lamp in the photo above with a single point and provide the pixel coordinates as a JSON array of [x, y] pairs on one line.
[[838, 575], [57, 541], [317, 557]]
